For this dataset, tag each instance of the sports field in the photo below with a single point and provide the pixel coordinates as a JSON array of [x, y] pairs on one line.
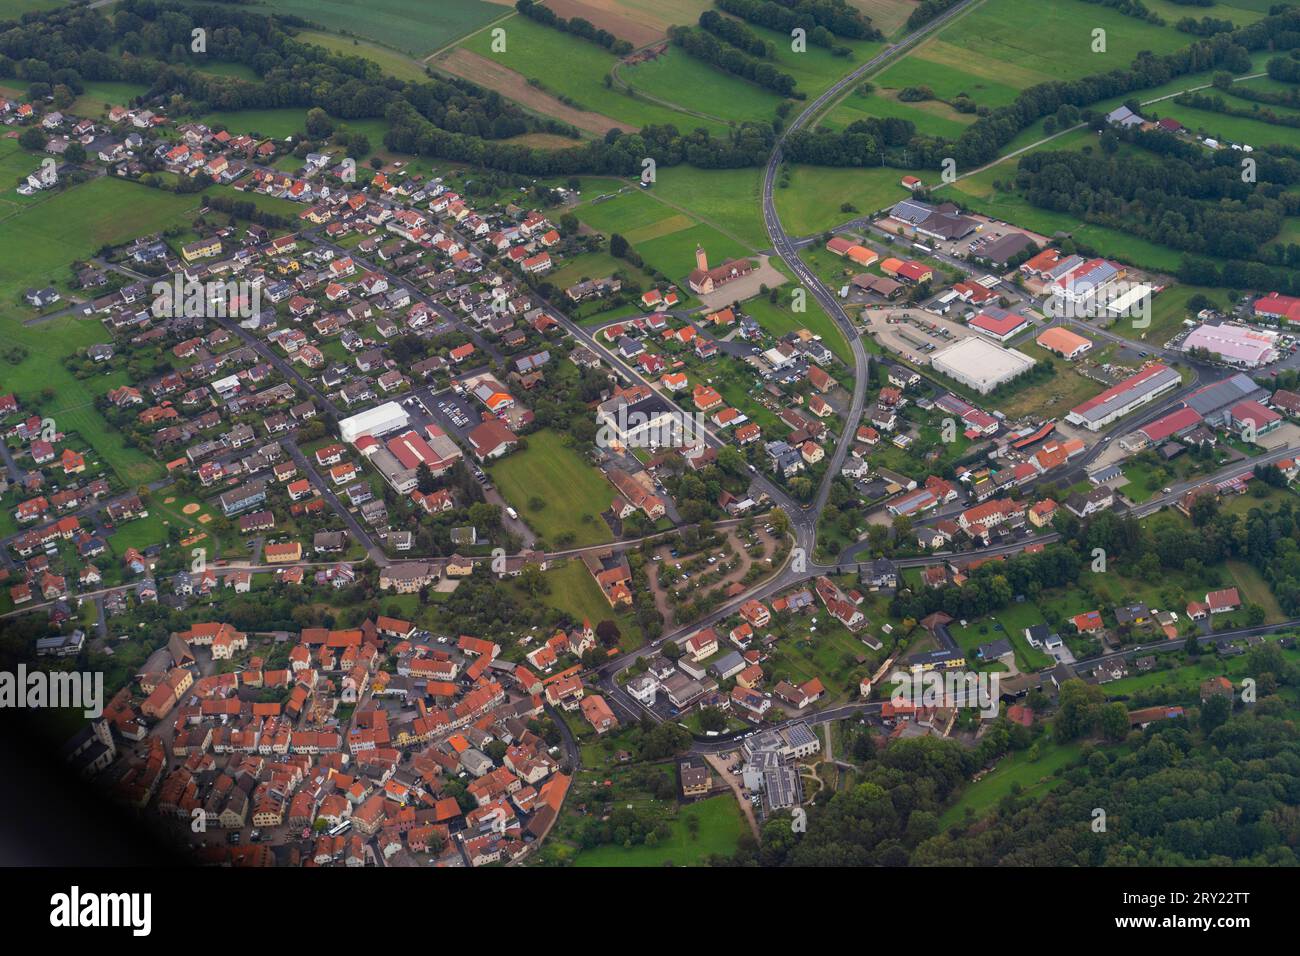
[[412, 26], [571, 491]]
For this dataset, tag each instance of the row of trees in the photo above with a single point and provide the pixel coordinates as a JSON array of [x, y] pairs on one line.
[[822, 20], [707, 47], [576, 26], [736, 33]]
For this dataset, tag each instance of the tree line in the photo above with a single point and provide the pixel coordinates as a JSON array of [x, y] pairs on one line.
[[577, 26], [705, 46]]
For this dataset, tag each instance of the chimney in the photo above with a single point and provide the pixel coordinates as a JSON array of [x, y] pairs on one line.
[[701, 259]]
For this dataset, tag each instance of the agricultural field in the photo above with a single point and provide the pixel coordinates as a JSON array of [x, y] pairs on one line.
[[532, 53], [572, 492], [410, 26]]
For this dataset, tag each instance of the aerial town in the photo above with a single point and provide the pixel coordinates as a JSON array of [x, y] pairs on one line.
[[443, 462]]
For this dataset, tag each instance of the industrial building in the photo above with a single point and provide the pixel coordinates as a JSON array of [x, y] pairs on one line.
[[380, 420], [1118, 400], [979, 364]]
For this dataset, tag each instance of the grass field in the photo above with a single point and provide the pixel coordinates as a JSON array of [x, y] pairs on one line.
[[411, 26], [1034, 776], [679, 78], [390, 61], [727, 198], [778, 319], [574, 591], [534, 51], [664, 237], [573, 492], [720, 826], [813, 199]]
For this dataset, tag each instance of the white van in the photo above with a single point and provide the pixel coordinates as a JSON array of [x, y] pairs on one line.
[[514, 515]]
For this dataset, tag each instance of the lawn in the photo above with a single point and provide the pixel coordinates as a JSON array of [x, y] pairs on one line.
[[412, 26], [778, 319], [720, 827], [1034, 777], [575, 592], [572, 492]]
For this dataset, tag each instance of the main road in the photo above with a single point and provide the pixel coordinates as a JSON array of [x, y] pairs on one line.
[[805, 523]]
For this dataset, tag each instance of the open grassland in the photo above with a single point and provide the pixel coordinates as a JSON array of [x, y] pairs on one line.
[[390, 61], [684, 80], [812, 201], [536, 52], [576, 593], [729, 199], [412, 26], [664, 237], [719, 829], [571, 491], [1018, 43], [1032, 769]]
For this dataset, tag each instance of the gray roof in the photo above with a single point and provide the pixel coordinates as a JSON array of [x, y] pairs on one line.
[[1229, 391]]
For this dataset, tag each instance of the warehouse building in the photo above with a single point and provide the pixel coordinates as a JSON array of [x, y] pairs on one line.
[[979, 364], [1118, 400]]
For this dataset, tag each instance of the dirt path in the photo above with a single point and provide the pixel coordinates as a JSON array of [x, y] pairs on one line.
[[719, 765], [515, 86]]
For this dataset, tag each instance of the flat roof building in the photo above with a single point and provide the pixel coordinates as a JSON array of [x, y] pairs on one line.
[[379, 420], [979, 364]]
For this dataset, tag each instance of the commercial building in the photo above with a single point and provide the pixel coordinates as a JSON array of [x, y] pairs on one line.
[[1234, 344], [1118, 400], [980, 364], [998, 323], [1213, 401], [380, 420]]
